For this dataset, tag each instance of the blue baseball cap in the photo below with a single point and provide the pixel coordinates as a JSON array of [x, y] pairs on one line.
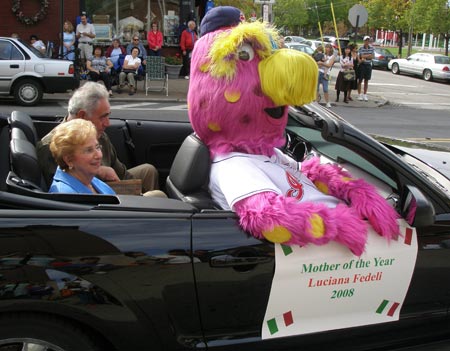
[[221, 16]]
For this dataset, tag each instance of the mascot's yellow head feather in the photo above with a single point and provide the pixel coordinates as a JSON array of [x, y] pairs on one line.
[[224, 53]]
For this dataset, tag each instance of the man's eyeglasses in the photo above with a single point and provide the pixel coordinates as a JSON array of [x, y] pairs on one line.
[[135, 39], [92, 149]]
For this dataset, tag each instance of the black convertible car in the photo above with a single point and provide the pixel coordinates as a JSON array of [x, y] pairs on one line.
[[102, 272]]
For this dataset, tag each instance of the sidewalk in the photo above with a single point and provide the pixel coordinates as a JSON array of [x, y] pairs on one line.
[[178, 89]]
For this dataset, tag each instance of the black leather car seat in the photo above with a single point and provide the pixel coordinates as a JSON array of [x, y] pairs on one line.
[[189, 174], [24, 122], [24, 162]]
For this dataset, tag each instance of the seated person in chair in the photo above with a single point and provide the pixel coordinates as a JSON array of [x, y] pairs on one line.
[[130, 67], [78, 154], [136, 43], [99, 67], [91, 102], [114, 51]]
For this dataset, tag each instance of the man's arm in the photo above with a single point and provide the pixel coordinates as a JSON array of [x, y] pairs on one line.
[[110, 158]]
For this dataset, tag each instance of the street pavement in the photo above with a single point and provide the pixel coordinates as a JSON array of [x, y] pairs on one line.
[[178, 89]]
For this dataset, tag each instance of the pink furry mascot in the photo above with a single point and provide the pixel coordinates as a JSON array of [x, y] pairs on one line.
[[240, 87]]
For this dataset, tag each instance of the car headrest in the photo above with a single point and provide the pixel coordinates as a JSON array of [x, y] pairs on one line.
[[24, 122], [25, 162], [190, 168]]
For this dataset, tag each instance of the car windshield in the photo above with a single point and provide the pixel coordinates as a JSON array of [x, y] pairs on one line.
[[445, 60], [33, 49], [384, 52]]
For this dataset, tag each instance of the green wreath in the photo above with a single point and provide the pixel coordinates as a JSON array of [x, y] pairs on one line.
[[29, 20]]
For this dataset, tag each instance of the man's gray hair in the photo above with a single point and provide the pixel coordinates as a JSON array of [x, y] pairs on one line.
[[86, 98]]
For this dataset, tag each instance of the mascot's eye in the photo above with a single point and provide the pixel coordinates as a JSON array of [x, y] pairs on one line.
[[246, 52]]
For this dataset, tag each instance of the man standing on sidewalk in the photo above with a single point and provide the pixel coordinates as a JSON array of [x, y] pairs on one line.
[[85, 34], [365, 53], [187, 42]]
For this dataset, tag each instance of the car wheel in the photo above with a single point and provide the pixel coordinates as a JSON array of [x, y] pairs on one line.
[[395, 68], [41, 333], [427, 75], [28, 92]]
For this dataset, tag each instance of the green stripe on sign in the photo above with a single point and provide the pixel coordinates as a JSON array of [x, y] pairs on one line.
[[382, 306], [272, 325], [287, 250]]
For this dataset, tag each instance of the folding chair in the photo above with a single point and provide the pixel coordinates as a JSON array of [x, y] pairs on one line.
[[156, 71]]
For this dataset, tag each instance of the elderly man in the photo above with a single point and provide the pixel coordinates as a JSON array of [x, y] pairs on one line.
[[91, 102], [187, 42]]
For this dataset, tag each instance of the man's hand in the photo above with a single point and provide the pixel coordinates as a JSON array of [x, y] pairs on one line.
[[107, 174]]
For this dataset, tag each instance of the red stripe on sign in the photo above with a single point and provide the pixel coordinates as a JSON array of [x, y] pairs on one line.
[[408, 236], [392, 309], [288, 320]]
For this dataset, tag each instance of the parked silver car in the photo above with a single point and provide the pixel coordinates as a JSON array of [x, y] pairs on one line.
[[27, 74], [300, 47], [429, 66], [294, 39]]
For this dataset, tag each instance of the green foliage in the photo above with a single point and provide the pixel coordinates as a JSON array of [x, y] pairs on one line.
[[174, 60], [246, 6]]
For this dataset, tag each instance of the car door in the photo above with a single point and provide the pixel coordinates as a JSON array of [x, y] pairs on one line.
[[409, 65], [233, 273], [11, 64], [127, 274]]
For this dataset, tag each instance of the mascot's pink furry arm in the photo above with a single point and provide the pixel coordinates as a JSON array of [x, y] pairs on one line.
[[240, 87]]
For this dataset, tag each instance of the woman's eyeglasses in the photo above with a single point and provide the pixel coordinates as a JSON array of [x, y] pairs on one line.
[[92, 149]]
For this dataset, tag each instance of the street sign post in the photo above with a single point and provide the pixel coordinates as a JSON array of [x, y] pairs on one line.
[[357, 16]]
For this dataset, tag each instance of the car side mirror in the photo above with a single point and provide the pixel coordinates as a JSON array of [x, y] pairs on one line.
[[416, 208]]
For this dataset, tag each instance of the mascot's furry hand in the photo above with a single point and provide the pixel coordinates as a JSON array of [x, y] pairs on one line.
[[333, 180], [241, 85], [281, 219]]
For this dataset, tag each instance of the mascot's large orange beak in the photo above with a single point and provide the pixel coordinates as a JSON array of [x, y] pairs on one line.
[[289, 77]]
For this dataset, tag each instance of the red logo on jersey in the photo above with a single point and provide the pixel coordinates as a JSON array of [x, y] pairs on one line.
[[296, 189]]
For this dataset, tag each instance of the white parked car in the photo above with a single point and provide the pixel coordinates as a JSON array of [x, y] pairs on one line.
[[429, 66], [27, 74]]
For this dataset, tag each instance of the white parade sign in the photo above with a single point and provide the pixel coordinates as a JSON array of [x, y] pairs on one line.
[[354, 12], [318, 288]]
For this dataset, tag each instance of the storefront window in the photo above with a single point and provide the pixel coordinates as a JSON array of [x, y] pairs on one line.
[[124, 18]]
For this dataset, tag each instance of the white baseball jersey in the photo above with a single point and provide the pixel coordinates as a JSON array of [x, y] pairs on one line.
[[236, 176]]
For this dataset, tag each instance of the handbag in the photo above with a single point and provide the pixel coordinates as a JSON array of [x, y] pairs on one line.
[[349, 75], [127, 70]]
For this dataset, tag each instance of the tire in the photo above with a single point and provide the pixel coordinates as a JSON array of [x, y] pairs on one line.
[[42, 332], [395, 68], [28, 92], [427, 75]]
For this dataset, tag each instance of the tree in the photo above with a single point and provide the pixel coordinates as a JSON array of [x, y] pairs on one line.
[[246, 6], [292, 15], [433, 17]]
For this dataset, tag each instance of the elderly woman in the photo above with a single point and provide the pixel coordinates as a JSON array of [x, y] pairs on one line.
[[76, 150], [130, 68], [99, 67], [114, 51]]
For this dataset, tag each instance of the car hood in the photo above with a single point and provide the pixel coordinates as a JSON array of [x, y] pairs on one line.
[[437, 157], [334, 126]]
